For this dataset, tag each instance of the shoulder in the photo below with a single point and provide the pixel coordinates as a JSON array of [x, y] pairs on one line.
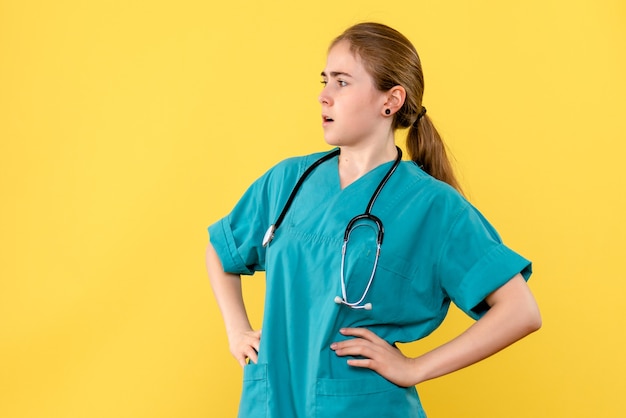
[[444, 205], [443, 209], [285, 174], [421, 186]]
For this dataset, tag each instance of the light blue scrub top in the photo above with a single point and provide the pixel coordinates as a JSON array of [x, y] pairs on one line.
[[437, 248]]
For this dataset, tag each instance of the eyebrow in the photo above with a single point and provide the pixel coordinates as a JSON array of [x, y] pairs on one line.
[[335, 74]]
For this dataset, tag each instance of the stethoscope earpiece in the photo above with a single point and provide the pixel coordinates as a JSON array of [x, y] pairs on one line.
[[340, 301], [269, 235]]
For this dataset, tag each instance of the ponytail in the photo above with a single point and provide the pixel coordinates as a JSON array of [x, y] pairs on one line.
[[426, 149], [391, 59]]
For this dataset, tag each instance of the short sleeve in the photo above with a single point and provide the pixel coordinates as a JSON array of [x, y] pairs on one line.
[[237, 238], [474, 262]]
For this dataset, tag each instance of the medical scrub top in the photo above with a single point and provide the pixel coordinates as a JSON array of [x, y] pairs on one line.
[[437, 248]]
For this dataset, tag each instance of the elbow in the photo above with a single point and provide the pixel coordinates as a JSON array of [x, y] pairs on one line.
[[533, 324], [523, 304], [532, 319], [538, 322]]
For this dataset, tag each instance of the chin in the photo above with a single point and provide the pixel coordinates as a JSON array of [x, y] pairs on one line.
[[332, 141]]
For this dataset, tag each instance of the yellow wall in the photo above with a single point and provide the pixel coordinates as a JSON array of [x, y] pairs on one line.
[[127, 127]]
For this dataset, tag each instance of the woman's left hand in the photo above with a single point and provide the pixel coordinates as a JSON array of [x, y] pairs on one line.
[[378, 355]]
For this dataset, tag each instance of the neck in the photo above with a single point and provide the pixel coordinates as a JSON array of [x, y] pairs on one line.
[[355, 161]]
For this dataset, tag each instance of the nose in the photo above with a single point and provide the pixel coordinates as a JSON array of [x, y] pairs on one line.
[[324, 98]]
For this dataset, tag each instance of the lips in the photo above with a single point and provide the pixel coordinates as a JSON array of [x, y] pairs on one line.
[[326, 119]]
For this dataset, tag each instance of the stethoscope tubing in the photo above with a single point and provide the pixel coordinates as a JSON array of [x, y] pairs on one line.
[[269, 235], [344, 295], [367, 215]]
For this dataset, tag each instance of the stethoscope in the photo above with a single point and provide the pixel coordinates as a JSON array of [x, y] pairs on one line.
[[367, 215]]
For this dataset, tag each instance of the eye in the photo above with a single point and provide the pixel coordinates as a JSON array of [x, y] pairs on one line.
[[342, 83], [324, 82]]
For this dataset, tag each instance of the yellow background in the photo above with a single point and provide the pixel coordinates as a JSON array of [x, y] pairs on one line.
[[126, 127]]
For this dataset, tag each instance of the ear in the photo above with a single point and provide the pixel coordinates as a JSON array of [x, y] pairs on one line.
[[395, 98]]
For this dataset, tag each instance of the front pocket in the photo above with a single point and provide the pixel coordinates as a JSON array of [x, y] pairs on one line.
[[253, 402], [373, 397]]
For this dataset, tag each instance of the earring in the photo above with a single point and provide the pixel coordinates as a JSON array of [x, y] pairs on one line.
[[387, 111]]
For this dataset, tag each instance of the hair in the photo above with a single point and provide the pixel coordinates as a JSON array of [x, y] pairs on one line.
[[391, 60]]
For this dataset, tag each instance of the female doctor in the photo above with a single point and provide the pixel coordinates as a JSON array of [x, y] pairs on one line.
[[362, 250]]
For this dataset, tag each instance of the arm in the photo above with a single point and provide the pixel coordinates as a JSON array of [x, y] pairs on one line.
[[243, 340], [513, 314]]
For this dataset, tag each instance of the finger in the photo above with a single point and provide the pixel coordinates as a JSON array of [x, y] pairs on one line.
[[357, 348], [253, 356], [359, 332], [362, 337], [349, 344], [255, 340], [363, 363], [241, 360]]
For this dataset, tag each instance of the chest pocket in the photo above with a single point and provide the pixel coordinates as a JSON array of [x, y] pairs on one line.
[[404, 291]]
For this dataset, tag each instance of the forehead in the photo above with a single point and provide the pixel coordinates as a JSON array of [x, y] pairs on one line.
[[342, 59]]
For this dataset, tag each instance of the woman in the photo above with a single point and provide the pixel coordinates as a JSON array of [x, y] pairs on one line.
[[366, 251]]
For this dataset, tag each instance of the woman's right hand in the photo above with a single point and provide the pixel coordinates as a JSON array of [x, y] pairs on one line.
[[245, 345]]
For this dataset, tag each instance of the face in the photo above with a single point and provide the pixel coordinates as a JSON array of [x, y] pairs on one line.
[[352, 107]]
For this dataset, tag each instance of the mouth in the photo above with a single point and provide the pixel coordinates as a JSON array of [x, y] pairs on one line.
[[326, 119]]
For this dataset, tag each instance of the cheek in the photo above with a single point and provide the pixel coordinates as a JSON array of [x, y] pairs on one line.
[[366, 106]]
